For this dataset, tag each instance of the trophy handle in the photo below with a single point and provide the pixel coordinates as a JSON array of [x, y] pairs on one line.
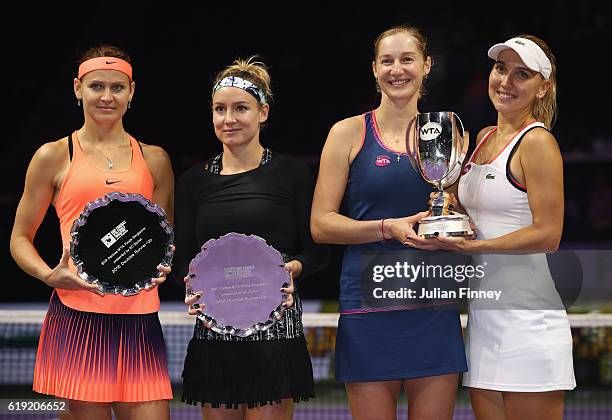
[[460, 147], [461, 124], [411, 143], [464, 142]]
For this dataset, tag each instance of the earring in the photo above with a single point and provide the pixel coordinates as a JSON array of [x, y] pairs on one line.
[[426, 75], [78, 102], [129, 104]]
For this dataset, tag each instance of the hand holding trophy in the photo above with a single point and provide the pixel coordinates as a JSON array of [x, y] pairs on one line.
[[437, 147]]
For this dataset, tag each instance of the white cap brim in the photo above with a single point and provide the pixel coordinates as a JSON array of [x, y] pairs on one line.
[[531, 54]]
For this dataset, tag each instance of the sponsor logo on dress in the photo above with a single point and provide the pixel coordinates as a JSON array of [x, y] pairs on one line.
[[490, 176], [383, 160]]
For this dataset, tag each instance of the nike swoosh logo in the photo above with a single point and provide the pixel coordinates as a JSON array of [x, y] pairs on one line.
[[110, 62], [112, 181]]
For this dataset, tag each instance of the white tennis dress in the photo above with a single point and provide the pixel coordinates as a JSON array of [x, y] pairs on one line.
[[522, 343]]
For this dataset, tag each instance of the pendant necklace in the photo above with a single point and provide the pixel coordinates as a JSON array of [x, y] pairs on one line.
[[382, 132], [109, 161]]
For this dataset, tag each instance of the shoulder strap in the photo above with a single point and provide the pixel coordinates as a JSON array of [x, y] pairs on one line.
[[513, 181], [139, 145], [70, 146], [484, 139], [367, 122]]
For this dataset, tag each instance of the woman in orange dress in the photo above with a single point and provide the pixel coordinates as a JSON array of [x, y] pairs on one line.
[[97, 351]]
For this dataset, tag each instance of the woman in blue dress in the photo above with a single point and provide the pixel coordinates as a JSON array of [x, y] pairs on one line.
[[365, 170]]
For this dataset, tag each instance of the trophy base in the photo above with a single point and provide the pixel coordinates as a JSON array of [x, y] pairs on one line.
[[446, 225]]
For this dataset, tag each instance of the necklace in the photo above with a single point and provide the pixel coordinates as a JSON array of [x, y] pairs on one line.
[[109, 161], [396, 140]]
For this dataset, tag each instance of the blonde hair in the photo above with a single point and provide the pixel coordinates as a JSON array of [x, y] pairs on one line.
[[545, 109], [254, 71], [412, 31]]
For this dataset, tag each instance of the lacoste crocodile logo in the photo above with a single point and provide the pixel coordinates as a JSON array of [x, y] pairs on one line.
[[490, 176]]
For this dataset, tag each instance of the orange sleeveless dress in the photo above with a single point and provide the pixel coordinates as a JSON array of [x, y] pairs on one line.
[[101, 348]]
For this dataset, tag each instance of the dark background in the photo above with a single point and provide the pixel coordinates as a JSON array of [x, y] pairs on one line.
[[319, 54]]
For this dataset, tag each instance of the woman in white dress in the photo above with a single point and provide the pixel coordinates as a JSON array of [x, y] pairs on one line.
[[519, 349]]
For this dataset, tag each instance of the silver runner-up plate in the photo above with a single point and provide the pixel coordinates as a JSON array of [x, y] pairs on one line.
[[119, 240], [239, 278]]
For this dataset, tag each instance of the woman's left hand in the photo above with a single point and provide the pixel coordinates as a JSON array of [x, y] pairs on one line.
[[455, 243], [164, 270], [416, 241], [447, 243], [294, 267]]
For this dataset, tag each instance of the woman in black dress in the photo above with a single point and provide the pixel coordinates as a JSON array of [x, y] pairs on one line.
[[252, 190]]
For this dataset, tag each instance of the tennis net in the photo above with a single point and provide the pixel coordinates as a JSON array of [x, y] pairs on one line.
[[592, 340]]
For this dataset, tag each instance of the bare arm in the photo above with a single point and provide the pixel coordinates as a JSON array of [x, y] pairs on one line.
[[163, 189], [160, 167], [326, 223], [42, 179], [542, 170]]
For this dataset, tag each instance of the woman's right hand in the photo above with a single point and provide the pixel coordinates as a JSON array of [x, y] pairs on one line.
[[191, 300], [61, 277], [402, 228]]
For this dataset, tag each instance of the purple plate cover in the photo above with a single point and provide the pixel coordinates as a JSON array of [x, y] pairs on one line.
[[239, 277]]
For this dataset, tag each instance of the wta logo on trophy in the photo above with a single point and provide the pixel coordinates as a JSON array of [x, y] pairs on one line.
[[430, 131]]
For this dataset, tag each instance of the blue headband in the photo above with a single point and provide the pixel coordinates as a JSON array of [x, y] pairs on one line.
[[240, 83]]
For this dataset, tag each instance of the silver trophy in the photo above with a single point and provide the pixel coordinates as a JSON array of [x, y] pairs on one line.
[[437, 147]]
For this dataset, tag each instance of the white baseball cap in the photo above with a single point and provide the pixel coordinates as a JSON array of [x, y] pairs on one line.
[[530, 52]]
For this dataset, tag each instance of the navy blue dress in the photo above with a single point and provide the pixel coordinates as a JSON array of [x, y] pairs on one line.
[[378, 344]]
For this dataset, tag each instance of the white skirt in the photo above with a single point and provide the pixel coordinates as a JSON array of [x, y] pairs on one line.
[[519, 350]]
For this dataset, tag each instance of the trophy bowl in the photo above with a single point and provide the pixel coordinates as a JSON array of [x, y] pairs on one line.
[[437, 147]]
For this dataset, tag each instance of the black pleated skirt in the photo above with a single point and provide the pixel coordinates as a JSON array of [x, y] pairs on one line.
[[256, 373]]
